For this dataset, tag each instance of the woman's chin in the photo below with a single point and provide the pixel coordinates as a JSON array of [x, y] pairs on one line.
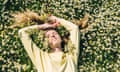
[[55, 45]]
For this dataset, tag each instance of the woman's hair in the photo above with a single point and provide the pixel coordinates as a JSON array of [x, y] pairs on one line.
[[26, 18], [64, 34]]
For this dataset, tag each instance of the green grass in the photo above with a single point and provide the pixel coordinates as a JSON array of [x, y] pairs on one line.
[[99, 47]]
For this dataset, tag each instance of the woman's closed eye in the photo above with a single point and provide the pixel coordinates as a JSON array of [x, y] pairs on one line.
[[50, 33]]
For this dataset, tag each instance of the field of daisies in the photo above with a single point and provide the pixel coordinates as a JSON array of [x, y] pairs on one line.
[[99, 45]]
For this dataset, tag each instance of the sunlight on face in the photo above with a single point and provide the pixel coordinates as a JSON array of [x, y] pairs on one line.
[[54, 38]]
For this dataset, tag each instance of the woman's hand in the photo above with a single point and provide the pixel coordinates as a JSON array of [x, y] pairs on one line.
[[52, 24], [56, 23], [47, 26]]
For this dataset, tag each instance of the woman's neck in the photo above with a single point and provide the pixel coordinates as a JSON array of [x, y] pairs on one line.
[[56, 49]]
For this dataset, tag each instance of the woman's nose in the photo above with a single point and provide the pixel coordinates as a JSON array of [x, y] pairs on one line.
[[52, 35]]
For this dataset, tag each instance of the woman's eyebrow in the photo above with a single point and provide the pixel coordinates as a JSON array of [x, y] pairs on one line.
[[46, 31]]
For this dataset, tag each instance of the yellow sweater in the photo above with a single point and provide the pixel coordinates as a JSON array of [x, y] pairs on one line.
[[52, 62]]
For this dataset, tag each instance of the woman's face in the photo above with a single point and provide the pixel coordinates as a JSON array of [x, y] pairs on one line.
[[53, 38]]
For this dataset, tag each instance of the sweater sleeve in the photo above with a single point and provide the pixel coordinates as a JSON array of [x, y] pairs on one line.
[[32, 50]]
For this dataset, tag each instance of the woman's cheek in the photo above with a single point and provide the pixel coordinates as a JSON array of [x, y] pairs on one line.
[[50, 41]]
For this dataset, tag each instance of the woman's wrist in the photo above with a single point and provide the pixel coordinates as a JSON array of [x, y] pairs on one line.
[[45, 26], [53, 24]]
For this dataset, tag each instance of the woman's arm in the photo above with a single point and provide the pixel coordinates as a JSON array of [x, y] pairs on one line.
[[33, 51], [74, 36], [27, 42]]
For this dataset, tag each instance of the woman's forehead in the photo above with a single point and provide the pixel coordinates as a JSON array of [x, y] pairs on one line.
[[50, 31]]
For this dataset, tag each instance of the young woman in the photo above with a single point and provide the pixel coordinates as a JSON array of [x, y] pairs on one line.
[[56, 60]]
